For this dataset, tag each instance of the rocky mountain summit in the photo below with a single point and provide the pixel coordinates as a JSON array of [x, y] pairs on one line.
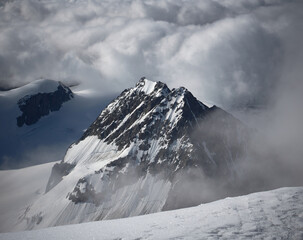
[[150, 149], [33, 107]]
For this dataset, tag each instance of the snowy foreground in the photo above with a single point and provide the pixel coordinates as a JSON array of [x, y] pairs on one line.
[[276, 214], [19, 189]]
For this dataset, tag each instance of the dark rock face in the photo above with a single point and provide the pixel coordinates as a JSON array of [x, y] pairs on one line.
[[34, 107], [59, 170], [84, 192]]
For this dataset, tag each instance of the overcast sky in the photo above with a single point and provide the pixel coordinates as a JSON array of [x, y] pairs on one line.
[[228, 52]]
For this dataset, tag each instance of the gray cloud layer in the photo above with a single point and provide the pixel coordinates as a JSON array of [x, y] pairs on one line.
[[231, 53]]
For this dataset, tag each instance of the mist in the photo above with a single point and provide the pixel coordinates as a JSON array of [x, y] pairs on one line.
[[273, 148]]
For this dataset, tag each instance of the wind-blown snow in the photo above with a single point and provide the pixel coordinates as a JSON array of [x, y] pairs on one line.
[[274, 214]]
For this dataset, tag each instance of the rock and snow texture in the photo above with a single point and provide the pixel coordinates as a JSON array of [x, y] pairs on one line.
[[151, 149], [38, 105], [275, 214], [40, 120]]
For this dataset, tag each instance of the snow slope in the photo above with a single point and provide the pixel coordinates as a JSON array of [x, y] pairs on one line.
[[275, 214], [19, 188]]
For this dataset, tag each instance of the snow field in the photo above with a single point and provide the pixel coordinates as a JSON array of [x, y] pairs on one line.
[[274, 214]]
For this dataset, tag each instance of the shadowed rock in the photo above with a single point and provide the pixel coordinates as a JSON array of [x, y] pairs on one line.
[[33, 107]]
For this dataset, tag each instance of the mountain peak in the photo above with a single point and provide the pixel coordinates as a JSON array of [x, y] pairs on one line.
[[51, 96], [145, 85], [151, 87], [141, 107]]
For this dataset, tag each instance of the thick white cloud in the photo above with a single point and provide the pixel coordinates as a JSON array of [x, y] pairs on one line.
[[231, 53]]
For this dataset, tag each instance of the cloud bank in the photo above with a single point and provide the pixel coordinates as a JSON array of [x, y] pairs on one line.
[[229, 53]]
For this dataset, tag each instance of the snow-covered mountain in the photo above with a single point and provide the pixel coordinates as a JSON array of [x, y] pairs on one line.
[[41, 119], [151, 149], [274, 214], [36, 106]]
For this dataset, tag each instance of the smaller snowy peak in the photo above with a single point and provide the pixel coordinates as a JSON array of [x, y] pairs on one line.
[[45, 85], [37, 86], [65, 88], [49, 97]]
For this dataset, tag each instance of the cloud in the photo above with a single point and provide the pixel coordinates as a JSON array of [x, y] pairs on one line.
[[277, 149], [230, 53]]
